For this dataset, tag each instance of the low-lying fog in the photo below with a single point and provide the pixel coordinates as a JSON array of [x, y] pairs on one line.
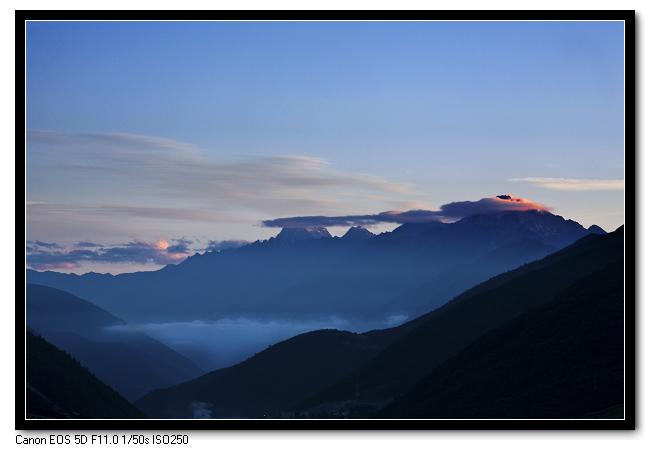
[[212, 345]]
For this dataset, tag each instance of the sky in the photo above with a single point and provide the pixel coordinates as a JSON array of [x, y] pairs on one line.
[[582, 208], [149, 141]]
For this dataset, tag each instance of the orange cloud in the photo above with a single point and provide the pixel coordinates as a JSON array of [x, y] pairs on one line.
[[519, 203]]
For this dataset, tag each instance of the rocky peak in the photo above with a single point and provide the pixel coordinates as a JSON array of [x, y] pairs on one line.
[[300, 234], [357, 232]]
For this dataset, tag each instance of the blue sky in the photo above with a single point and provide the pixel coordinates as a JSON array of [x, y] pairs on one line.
[[144, 137]]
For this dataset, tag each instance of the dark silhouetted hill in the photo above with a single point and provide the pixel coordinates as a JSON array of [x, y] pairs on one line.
[[272, 380], [563, 359], [57, 386]]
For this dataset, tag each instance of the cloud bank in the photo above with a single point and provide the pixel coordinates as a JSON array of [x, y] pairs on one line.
[[448, 212], [137, 252], [224, 342]]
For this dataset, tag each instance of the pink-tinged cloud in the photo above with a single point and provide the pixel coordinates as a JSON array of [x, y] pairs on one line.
[[494, 205], [448, 212], [161, 252]]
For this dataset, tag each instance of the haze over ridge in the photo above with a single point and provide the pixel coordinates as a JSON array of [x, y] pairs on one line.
[[306, 279]]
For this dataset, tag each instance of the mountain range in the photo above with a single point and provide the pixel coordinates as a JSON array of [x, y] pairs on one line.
[[543, 340], [463, 291], [307, 274]]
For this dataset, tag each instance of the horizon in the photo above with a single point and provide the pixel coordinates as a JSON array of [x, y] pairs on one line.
[[181, 137], [89, 266]]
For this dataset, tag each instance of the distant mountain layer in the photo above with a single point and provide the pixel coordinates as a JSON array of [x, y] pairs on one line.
[[307, 274], [57, 386], [131, 362], [528, 335]]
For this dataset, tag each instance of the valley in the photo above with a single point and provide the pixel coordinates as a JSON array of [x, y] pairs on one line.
[[454, 287]]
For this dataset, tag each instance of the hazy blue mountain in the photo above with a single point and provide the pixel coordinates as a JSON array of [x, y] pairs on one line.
[[490, 329], [129, 361], [307, 274], [57, 386]]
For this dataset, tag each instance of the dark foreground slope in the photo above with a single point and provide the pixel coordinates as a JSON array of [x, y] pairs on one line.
[[131, 362], [563, 359], [272, 380], [470, 316], [57, 386]]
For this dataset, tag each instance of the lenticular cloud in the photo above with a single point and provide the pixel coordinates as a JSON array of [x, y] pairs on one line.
[[450, 211], [498, 204], [349, 221]]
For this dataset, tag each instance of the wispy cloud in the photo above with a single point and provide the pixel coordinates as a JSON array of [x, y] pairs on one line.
[[102, 140], [86, 244], [571, 184], [145, 173], [150, 212], [449, 211], [46, 245]]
